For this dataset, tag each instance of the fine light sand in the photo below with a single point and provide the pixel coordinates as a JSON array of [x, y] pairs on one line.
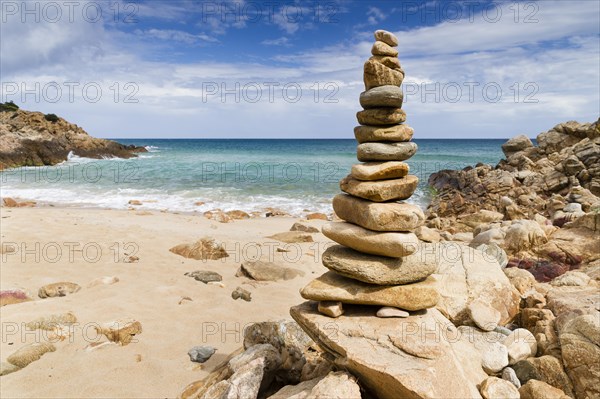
[[157, 365]]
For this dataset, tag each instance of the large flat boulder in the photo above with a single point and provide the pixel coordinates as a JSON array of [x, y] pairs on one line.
[[334, 287], [465, 275], [415, 357]]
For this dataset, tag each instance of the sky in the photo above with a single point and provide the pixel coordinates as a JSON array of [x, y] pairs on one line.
[[293, 69]]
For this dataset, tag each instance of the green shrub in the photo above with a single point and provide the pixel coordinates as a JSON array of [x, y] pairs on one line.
[[51, 118], [8, 106]]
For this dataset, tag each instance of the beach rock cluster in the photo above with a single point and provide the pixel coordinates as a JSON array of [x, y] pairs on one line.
[[31, 139], [541, 204]]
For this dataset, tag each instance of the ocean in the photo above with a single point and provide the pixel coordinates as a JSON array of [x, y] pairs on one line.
[[250, 175]]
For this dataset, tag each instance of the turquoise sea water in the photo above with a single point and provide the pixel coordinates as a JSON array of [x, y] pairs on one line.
[[250, 175]]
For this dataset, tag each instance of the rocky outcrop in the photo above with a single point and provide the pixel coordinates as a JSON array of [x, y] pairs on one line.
[[32, 139], [541, 204]]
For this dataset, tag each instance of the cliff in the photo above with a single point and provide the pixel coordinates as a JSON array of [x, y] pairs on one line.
[[34, 139]]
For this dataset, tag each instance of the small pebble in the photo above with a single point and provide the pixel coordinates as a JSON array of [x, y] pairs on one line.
[[388, 311], [201, 354], [331, 308], [239, 292]]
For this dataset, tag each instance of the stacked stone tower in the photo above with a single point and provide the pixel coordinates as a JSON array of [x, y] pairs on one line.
[[378, 261]]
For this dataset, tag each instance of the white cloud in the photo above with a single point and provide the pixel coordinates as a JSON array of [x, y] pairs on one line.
[[282, 41], [559, 55], [175, 35], [375, 16]]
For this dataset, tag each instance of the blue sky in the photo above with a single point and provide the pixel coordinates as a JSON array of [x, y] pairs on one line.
[[293, 69]]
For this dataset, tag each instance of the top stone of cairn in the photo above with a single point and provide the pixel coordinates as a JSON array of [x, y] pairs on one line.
[[386, 37]]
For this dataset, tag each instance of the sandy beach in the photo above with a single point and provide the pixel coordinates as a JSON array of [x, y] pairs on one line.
[[149, 291]]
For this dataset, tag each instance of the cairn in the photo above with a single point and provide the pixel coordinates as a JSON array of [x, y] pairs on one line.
[[377, 261]]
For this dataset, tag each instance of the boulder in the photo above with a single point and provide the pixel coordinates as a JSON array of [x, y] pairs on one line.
[[121, 331], [30, 353], [384, 49], [571, 278], [292, 237], [271, 360], [521, 344], [267, 271], [390, 244], [552, 372], [58, 289], [516, 144], [203, 249], [553, 141], [378, 216], [493, 354], [395, 133], [13, 296], [523, 235], [205, 276], [334, 287], [387, 37], [491, 236], [391, 356], [367, 152], [300, 358], [521, 279], [483, 315], [382, 96], [465, 275], [304, 227], [426, 234], [381, 116], [243, 384], [377, 74], [379, 170], [316, 216], [52, 322], [380, 270], [580, 344], [380, 191], [496, 388], [482, 217], [535, 389], [338, 384], [509, 375]]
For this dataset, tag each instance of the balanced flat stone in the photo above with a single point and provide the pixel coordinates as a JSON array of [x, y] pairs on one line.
[[380, 191], [379, 170], [391, 216], [381, 116], [333, 287], [390, 62], [377, 74], [382, 96], [387, 37], [395, 245], [381, 48], [380, 270], [366, 152], [395, 133]]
